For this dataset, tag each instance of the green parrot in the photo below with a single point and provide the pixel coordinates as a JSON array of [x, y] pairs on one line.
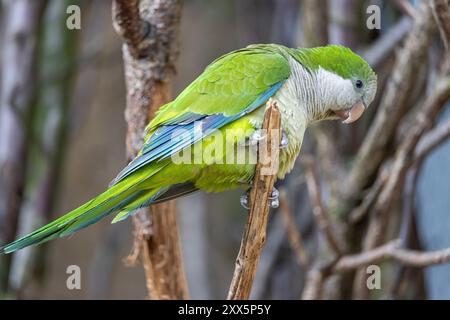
[[308, 85]]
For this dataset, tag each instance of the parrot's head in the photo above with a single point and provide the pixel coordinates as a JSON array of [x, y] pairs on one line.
[[346, 82]]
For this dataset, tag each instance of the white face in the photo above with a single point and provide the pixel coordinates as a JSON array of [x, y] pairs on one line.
[[340, 96], [337, 92]]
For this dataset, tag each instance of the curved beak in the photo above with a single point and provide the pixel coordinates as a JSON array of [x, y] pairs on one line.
[[352, 114]]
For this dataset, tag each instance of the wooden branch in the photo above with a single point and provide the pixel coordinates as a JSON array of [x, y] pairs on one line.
[[392, 250], [402, 161], [255, 230], [431, 141], [317, 276], [358, 213], [315, 281], [392, 108], [314, 23], [442, 16], [406, 7], [127, 23], [344, 22], [383, 47], [55, 98], [21, 23], [320, 213], [294, 235], [149, 66]]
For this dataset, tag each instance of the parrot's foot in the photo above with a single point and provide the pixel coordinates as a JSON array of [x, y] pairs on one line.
[[245, 200], [259, 134], [284, 141], [274, 201], [256, 136]]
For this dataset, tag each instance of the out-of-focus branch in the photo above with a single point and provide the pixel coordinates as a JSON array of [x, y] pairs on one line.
[[406, 7], [128, 24], [315, 33], [385, 45], [17, 92], [442, 17], [402, 160], [431, 140], [314, 22], [294, 235], [358, 213], [406, 225], [345, 17], [315, 282], [150, 30], [255, 230], [392, 108], [320, 213], [50, 118], [392, 250]]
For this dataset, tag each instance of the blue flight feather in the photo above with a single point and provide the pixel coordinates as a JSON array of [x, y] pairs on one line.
[[185, 131]]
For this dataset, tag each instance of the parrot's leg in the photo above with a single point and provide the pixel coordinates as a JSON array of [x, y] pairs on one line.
[[274, 201]]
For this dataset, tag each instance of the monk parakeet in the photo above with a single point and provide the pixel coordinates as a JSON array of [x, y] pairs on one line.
[[308, 85]]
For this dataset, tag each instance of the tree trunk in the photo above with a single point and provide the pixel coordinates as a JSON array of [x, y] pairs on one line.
[[150, 30]]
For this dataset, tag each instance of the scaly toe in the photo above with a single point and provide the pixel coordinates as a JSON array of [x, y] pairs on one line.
[[245, 200], [284, 141]]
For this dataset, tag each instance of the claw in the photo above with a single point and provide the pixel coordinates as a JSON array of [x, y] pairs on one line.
[[284, 141], [256, 136], [245, 200], [274, 201]]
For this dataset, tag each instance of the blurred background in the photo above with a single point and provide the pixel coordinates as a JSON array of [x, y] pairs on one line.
[[67, 141]]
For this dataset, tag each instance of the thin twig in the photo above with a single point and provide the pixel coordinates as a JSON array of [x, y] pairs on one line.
[[392, 250], [431, 140], [294, 235], [442, 16], [406, 7], [319, 211], [255, 230], [392, 107], [426, 117], [358, 213], [402, 160], [315, 281], [406, 224]]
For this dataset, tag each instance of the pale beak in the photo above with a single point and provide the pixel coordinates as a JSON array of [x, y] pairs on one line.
[[352, 114]]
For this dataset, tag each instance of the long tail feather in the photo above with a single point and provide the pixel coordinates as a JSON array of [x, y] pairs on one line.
[[111, 200]]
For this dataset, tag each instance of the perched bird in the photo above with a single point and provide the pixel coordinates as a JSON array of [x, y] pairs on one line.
[[308, 85]]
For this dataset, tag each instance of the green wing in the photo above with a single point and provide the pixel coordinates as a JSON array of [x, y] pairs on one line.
[[228, 85], [229, 88]]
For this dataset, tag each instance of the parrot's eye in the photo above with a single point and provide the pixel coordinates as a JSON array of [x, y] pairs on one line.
[[359, 84]]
